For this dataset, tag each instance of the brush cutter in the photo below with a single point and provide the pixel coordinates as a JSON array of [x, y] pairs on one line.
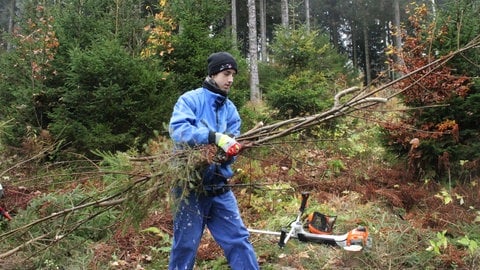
[[319, 230]]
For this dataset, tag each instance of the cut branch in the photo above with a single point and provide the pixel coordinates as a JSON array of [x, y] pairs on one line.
[[364, 99]]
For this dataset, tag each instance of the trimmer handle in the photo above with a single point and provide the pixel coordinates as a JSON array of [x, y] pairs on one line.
[[283, 235], [305, 196]]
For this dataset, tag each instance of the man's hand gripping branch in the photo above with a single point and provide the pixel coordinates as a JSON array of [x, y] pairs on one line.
[[228, 144]]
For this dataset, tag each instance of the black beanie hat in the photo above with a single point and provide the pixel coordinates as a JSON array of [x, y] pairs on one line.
[[217, 62]]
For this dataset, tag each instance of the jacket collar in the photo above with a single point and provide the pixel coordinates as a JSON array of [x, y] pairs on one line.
[[210, 84]]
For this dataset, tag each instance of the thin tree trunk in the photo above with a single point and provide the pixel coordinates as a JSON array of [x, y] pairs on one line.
[[334, 29], [284, 7], [434, 9], [368, 76], [307, 15], [397, 39], [353, 33], [234, 23], [255, 95], [11, 15], [396, 23], [398, 35], [354, 50], [263, 30]]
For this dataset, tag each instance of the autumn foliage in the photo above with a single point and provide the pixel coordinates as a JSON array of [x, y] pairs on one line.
[[160, 33], [39, 44], [428, 95], [436, 84]]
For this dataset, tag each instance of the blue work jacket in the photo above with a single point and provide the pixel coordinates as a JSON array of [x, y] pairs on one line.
[[199, 113]]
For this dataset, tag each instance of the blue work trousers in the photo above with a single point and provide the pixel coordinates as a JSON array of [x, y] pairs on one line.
[[222, 217]]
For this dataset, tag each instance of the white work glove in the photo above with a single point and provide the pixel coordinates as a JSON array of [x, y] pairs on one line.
[[228, 144]]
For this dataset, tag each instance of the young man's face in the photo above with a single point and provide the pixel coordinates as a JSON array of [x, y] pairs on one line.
[[224, 79]]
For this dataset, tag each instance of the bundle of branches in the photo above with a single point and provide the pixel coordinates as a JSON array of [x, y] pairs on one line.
[[360, 99], [261, 134], [105, 199]]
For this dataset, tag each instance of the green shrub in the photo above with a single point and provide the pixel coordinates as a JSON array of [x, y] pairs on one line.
[[303, 93], [111, 101]]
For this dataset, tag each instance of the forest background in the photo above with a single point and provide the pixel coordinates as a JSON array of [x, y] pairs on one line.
[[86, 89]]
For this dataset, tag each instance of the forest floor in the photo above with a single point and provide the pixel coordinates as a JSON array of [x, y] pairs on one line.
[[419, 205]]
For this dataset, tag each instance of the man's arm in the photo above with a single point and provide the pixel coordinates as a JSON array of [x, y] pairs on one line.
[[183, 126]]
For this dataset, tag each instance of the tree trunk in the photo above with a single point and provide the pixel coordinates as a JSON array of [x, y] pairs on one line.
[[368, 75], [434, 9], [398, 35], [307, 15], [255, 95], [11, 15], [284, 7], [234, 24], [354, 50], [396, 24], [263, 30], [334, 30], [353, 33]]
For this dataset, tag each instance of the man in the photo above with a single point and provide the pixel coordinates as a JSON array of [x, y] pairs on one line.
[[201, 117]]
